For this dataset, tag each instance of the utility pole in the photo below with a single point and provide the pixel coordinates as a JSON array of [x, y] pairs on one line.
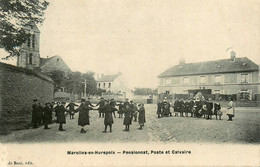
[[85, 88]]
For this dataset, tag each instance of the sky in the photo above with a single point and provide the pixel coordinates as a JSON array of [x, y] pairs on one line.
[[143, 38]]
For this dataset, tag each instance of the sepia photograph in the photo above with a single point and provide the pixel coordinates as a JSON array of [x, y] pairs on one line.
[[129, 83]]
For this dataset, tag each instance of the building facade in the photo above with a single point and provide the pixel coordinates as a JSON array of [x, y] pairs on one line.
[[112, 83], [234, 76]]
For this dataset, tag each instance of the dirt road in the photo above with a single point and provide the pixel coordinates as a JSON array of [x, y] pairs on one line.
[[244, 129]]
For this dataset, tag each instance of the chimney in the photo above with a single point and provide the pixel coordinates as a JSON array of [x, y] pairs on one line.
[[182, 61], [232, 56]]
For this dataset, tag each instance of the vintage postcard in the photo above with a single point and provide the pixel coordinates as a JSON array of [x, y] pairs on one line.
[[129, 83]]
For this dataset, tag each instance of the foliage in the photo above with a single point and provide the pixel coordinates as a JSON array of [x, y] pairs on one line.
[[145, 91], [14, 16], [73, 82]]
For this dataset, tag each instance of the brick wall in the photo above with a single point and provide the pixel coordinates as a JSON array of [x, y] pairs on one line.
[[18, 88]]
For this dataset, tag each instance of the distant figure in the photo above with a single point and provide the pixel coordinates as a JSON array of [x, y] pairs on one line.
[[60, 113], [35, 108], [191, 104], [108, 120], [187, 107], [217, 111], [231, 109], [120, 109], [71, 106], [47, 115], [176, 108], [166, 108], [159, 109], [182, 107], [209, 109], [135, 112], [53, 112], [141, 116]]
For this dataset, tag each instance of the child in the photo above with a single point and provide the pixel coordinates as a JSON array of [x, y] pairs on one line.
[[141, 117], [127, 119], [217, 111], [108, 121]]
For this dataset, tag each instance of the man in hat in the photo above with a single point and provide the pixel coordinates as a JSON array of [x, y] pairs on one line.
[[71, 106], [47, 115], [101, 105], [35, 108], [60, 113]]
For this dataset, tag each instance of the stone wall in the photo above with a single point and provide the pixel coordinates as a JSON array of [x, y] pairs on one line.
[[18, 88]]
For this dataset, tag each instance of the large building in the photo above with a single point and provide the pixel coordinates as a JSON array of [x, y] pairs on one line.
[[234, 76]]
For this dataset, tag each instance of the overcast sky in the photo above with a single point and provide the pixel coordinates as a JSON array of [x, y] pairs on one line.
[[141, 38]]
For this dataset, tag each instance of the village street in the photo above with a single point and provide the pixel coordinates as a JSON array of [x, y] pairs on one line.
[[244, 129]]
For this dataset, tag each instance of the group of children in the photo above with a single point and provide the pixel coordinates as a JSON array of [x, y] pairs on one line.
[[107, 108], [196, 108]]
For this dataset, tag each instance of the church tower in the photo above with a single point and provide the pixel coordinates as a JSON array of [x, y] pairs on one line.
[[30, 50]]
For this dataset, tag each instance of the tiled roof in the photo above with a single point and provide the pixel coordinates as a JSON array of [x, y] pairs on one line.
[[211, 67], [107, 78]]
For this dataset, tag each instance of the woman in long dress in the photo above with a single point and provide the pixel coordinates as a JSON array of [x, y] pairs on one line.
[[230, 109], [108, 120]]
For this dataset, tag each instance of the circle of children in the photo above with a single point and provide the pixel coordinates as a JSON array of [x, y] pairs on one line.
[[197, 107], [130, 110]]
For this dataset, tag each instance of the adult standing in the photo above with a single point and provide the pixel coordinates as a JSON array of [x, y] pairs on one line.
[[230, 109], [113, 105], [47, 115]]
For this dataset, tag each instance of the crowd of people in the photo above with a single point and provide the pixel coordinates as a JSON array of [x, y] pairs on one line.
[[199, 108], [56, 113]]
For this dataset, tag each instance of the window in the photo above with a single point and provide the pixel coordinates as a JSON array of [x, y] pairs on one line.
[[167, 92], [29, 41], [167, 81], [30, 58], [245, 95], [33, 41], [186, 81], [202, 79], [217, 78], [244, 78], [109, 85], [99, 85], [104, 85]]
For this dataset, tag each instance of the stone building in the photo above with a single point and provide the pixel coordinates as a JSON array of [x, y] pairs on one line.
[[234, 76], [29, 55]]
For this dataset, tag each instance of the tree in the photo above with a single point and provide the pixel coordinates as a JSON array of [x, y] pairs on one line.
[[14, 16], [58, 78]]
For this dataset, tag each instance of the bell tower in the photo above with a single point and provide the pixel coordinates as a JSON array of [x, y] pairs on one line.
[[29, 56]]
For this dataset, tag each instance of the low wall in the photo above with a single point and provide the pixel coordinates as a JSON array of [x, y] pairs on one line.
[[18, 88]]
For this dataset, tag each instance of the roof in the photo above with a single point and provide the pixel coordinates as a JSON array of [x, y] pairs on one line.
[[107, 78], [211, 67], [49, 64]]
